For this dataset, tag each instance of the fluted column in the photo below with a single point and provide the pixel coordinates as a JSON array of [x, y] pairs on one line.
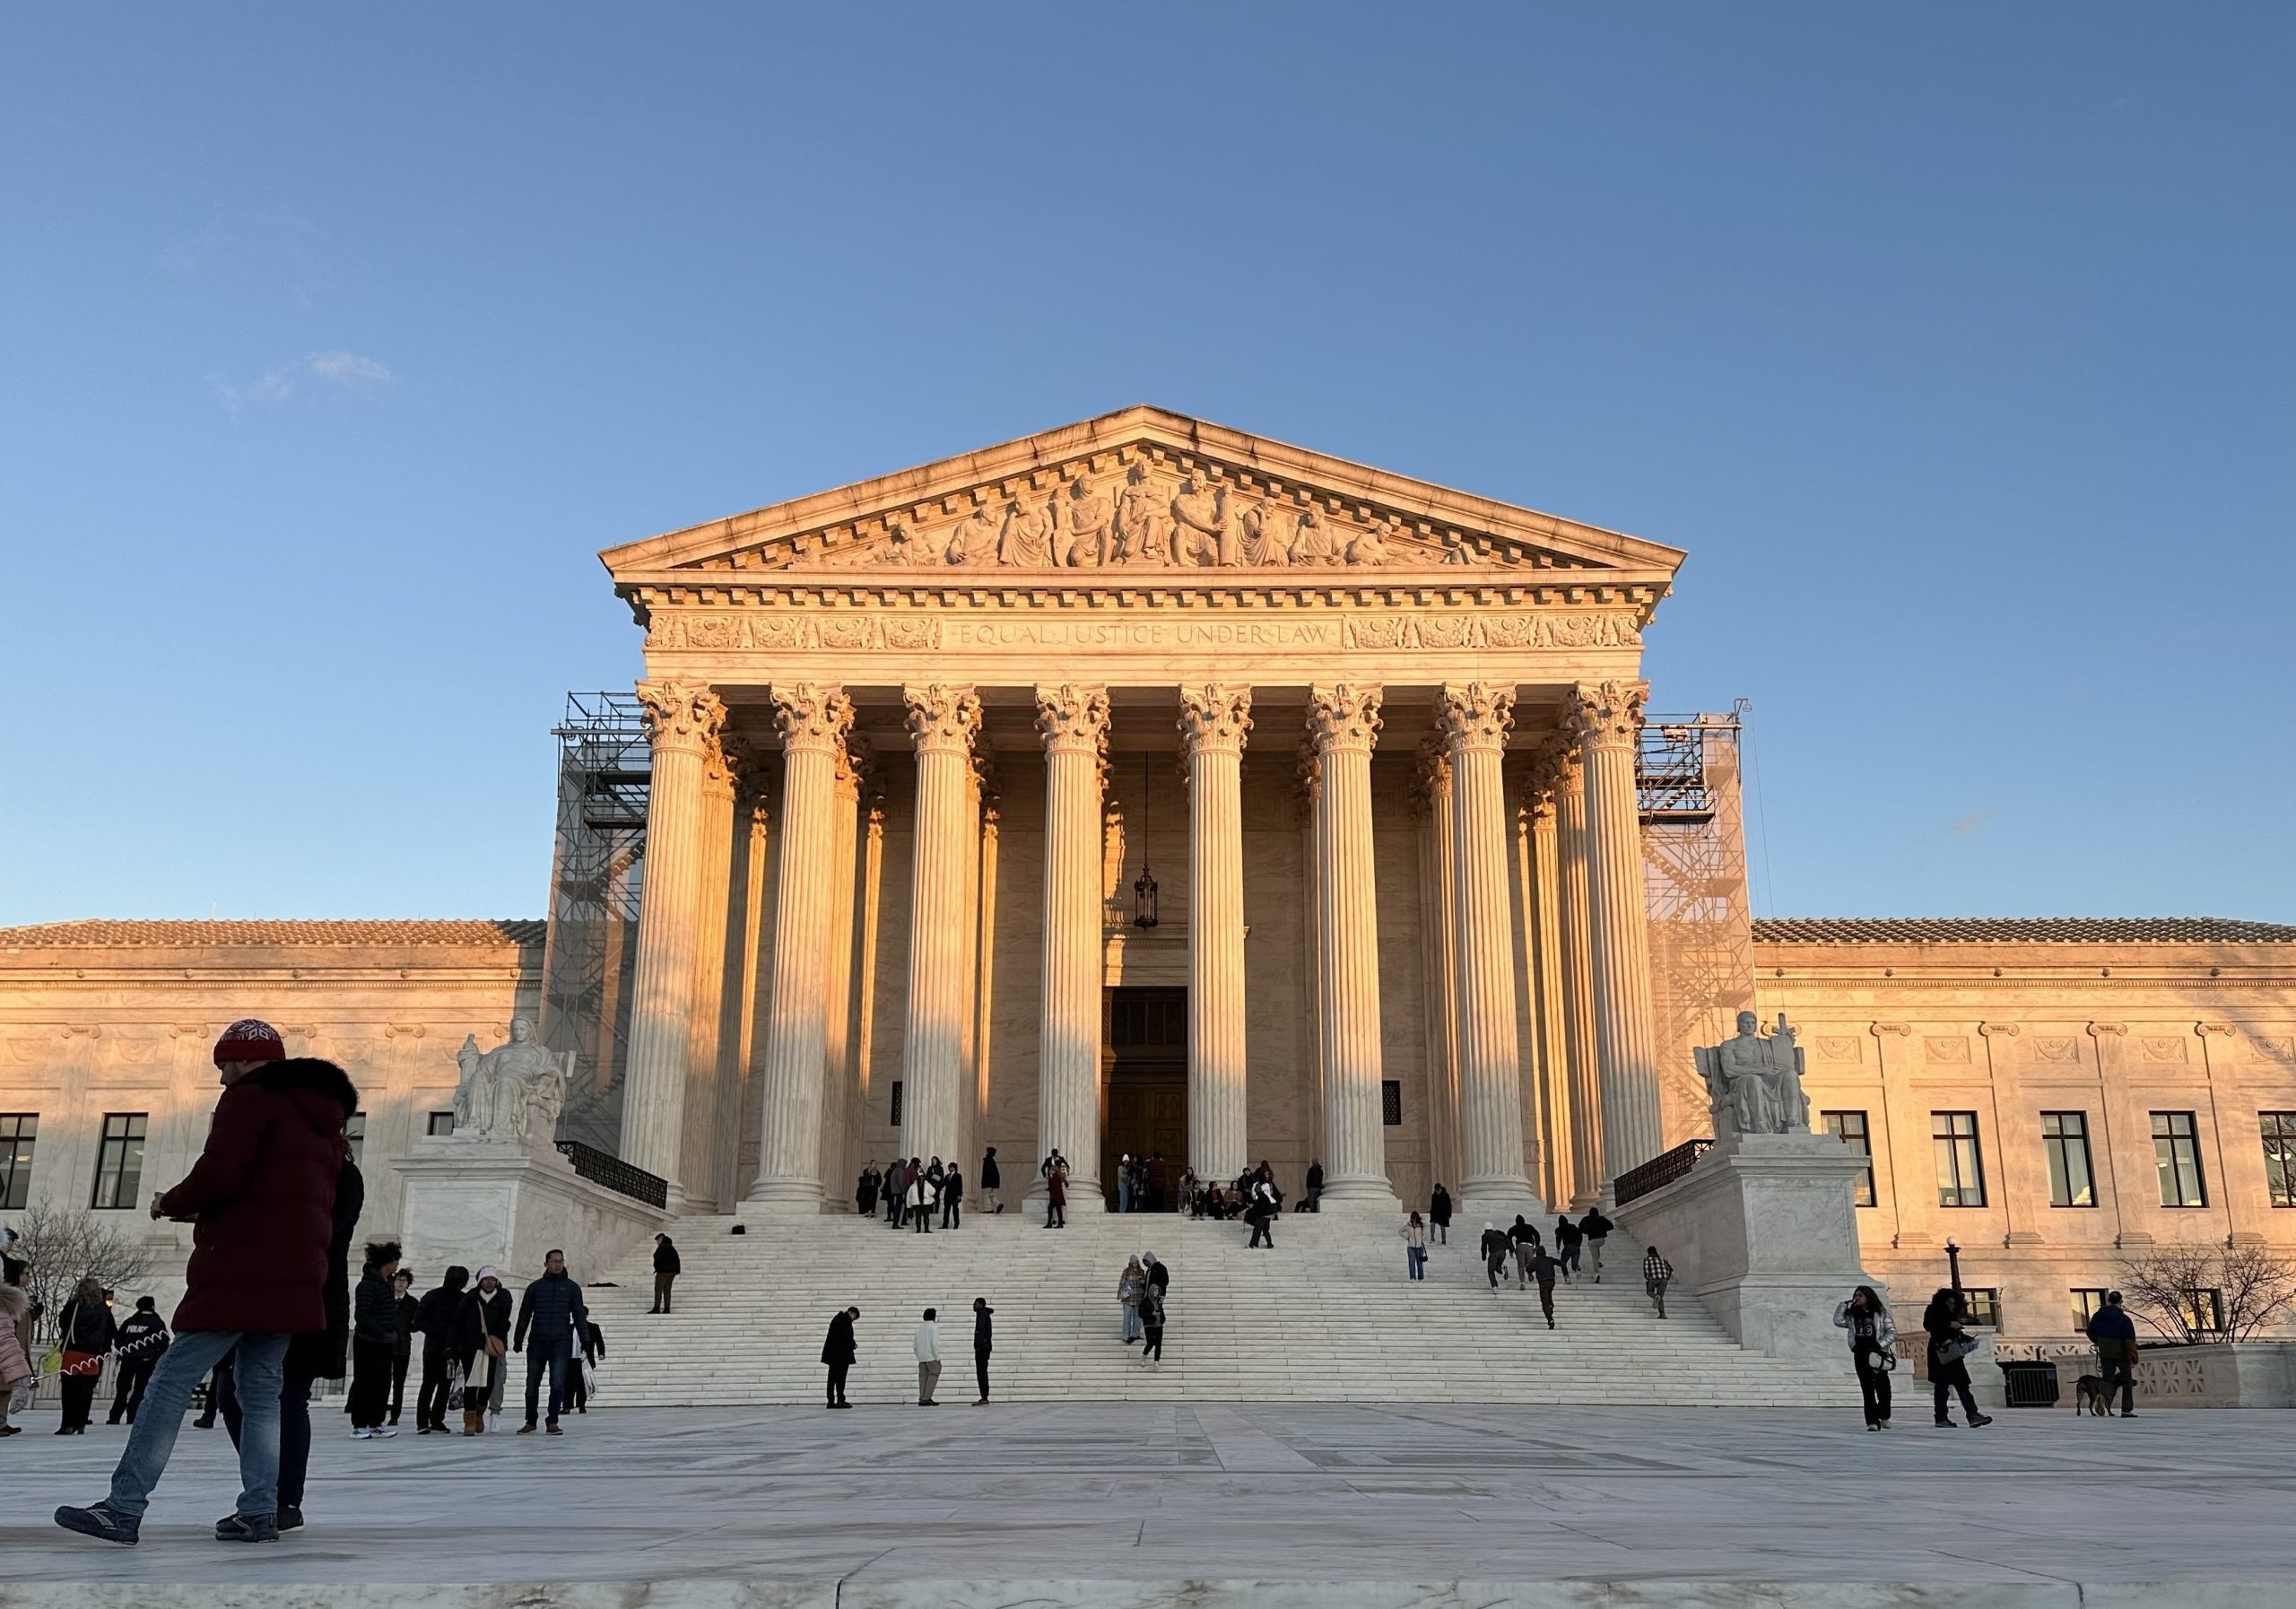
[[1073, 722], [1607, 716], [943, 721], [1440, 964], [1545, 977], [814, 721], [838, 1082], [683, 719], [745, 966], [721, 765], [1214, 722], [1474, 719], [1343, 719], [1576, 951]]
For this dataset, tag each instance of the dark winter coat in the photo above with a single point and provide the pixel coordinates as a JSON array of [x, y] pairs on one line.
[[1942, 1325], [984, 1330], [1567, 1234], [86, 1329], [952, 1187], [260, 1198], [435, 1314], [324, 1354], [146, 1333], [551, 1311], [1161, 1277], [1593, 1225], [1494, 1246], [374, 1311], [479, 1316], [839, 1347], [409, 1312], [2115, 1334], [990, 1179], [1438, 1208], [666, 1257]]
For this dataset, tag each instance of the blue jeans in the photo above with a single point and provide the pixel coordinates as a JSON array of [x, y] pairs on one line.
[[1415, 1259], [1130, 1322], [153, 1438], [1123, 1197], [553, 1353], [1569, 1257]]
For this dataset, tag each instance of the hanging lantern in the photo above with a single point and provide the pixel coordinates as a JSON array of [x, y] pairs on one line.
[[1144, 897]]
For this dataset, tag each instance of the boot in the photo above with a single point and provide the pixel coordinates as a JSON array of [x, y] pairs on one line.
[[474, 1422]]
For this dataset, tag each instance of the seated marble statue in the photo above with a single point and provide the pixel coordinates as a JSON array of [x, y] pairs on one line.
[[1755, 1081], [513, 1092]]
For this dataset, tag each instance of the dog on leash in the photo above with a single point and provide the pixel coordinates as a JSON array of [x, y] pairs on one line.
[[2089, 1395]]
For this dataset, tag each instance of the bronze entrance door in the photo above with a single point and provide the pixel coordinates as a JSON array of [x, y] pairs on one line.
[[1145, 1052]]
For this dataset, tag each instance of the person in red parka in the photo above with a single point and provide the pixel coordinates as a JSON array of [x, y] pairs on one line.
[[260, 1199]]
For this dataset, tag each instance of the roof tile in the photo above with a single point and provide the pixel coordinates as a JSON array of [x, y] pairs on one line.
[[132, 935], [2019, 930]]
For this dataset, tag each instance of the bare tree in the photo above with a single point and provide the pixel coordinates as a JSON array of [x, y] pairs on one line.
[[64, 1246], [2169, 1285]]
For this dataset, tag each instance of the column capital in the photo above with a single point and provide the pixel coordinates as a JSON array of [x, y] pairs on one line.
[[1214, 719], [813, 716], [723, 765], [1343, 716], [941, 720], [680, 715], [1477, 715], [1606, 715], [1073, 719], [1430, 774]]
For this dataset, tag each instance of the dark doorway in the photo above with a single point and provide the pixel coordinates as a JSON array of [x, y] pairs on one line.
[[1145, 1052]]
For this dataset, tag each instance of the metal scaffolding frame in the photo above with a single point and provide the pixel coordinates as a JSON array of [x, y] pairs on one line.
[[597, 876]]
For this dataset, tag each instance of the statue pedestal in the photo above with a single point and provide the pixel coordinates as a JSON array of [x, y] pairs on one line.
[[1763, 1231], [506, 1203]]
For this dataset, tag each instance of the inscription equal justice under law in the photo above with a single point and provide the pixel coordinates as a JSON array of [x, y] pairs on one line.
[[785, 631]]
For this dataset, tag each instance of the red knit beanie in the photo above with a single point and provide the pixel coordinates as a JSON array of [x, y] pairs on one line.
[[250, 1040]]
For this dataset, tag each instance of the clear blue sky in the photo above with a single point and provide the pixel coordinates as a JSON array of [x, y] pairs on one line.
[[1954, 343]]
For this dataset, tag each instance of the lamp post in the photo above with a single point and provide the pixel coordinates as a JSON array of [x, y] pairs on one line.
[[1953, 1263]]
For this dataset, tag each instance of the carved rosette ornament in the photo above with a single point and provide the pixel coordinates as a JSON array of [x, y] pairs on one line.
[[1477, 715], [941, 720], [1606, 715], [680, 715], [1214, 719], [811, 717], [1343, 716], [1073, 719]]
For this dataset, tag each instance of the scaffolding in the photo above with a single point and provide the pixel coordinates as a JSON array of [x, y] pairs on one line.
[[604, 770], [1694, 885]]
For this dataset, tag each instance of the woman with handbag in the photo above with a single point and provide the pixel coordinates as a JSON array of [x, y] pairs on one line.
[[481, 1334], [1873, 1350], [85, 1332], [1950, 1343]]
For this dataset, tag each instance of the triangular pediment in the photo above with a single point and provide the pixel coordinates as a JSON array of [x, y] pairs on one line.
[[1142, 490]]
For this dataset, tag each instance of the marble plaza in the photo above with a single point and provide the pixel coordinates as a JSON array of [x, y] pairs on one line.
[[1213, 1506]]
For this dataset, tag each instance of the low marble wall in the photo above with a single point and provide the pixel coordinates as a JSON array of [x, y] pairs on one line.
[[476, 1201]]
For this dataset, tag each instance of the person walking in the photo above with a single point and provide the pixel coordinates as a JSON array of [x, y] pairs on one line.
[[1567, 1239], [261, 1199], [920, 1200], [1873, 1350], [1949, 1371], [435, 1317], [953, 1197], [1159, 1272], [1656, 1272], [1414, 1248], [2113, 1333], [374, 1332], [668, 1267], [928, 1359], [1056, 1194], [85, 1332], [992, 1183], [1439, 1216], [403, 1343], [142, 1337], [1151, 1328], [838, 1351], [1595, 1229], [984, 1341], [1260, 1213], [895, 1194], [1524, 1237], [1128, 1286], [1312, 1199], [551, 1318], [1494, 1248], [16, 1372], [1544, 1266], [480, 1334], [590, 1345]]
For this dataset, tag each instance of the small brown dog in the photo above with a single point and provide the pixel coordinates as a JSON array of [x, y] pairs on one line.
[[2089, 1395]]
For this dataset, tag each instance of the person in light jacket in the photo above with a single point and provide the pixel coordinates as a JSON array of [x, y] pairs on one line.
[[1127, 1297], [1873, 1350], [921, 1186], [1414, 1248], [928, 1359], [15, 1364]]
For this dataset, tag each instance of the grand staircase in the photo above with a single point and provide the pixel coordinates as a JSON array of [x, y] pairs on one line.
[[1328, 1316]]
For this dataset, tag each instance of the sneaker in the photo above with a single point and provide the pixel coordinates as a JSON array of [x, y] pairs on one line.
[[1944, 1424], [2129, 1413], [1980, 1421], [526, 1429], [247, 1527], [384, 1430], [102, 1521], [290, 1519], [359, 1433]]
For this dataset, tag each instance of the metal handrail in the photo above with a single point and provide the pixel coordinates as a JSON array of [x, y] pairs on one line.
[[1660, 1171]]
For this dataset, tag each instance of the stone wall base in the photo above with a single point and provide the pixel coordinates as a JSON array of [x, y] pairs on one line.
[[475, 1202]]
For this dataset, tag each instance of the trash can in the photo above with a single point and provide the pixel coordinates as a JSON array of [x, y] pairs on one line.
[[2030, 1385]]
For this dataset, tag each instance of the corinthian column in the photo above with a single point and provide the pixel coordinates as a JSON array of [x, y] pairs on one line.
[[1073, 722], [941, 724], [1545, 982], [1440, 962], [1474, 720], [813, 721], [1214, 721], [1343, 722], [721, 766], [682, 720], [1607, 717], [1577, 955]]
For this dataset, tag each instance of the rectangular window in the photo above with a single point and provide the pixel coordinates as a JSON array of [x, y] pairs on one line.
[[441, 1123], [18, 1131], [2176, 1152], [354, 1129], [896, 1112], [1983, 1306], [1960, 1172], [1391, 1102], [119, 1163], [2088, 1301], [1849, 1128], [2280, 1156], [2204, 1311], [2065, 1136]]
